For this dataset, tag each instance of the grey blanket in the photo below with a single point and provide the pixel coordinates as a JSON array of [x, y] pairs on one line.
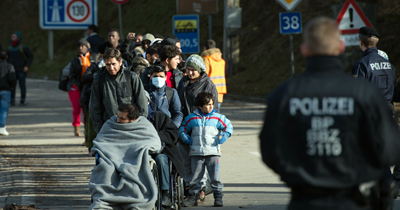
[[123, 179]]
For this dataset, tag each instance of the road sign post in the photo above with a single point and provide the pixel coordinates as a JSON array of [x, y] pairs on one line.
[[350, 19], [120, 2], [290, 23], [289, 5], [186, 28], [66, 14]]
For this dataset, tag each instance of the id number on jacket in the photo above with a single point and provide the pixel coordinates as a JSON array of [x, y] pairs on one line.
[[322, 140]]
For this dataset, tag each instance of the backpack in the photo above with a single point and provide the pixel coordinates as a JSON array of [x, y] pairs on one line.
[[169, 92], [64, 78]]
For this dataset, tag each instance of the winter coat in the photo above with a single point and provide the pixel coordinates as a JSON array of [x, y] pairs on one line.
[[214, 53], [75, 71], [204, 132], [139, 65], [95, 42], [15, 56], [105, 98], [87, 79], [159, 102], [8, 77], [177, 74], [168, 134], [188, 92], [325, 129]]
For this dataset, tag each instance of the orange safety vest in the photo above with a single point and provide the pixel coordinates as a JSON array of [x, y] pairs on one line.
[[85, 62], [217, 74]]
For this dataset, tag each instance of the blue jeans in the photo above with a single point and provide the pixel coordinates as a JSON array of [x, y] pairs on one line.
[[5, 98], [21, 81], [219, 108], [163, 167]]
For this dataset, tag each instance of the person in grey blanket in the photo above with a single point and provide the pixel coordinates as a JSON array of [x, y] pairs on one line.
[[122, 178]]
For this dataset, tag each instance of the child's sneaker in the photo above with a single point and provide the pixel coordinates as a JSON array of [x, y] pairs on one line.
[[191, 201], [218, 199]]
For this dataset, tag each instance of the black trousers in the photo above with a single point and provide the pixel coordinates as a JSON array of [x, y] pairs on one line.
[[317, 201]]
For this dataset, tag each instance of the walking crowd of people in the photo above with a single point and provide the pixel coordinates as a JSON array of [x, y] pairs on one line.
[[144, 77], [332, 144]]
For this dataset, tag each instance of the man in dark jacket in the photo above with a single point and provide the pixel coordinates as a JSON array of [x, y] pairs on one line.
[[164, 98], [113, 41], [372, 67], [8, 80], [169, 58], [195, 82], [328, 136], [94, 39], [168, 134], [114, 85], [21, 58]]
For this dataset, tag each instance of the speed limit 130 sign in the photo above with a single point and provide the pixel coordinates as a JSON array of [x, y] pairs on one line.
[[290, 22], [67, 14]]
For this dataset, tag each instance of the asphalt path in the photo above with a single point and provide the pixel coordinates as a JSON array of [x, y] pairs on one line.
[[44, 164]]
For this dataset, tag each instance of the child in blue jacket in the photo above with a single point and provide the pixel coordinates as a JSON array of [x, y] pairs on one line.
[[205, 130]]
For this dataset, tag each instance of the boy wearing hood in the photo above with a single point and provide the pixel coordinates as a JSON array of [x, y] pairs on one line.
[[21, 58]]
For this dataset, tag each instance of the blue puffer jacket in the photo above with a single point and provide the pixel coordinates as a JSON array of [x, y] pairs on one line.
[[203, 132]]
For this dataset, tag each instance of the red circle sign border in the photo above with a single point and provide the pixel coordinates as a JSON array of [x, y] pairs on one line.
[[76, 20], [120, 2]]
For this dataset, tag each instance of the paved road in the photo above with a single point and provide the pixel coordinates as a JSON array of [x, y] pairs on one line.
[[42, 163]]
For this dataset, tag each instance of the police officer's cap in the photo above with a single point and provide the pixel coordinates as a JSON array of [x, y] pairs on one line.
[[369, 32]]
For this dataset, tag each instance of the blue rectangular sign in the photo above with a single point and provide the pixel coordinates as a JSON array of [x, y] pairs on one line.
[[290, 22], [187, 29], [67, 14]]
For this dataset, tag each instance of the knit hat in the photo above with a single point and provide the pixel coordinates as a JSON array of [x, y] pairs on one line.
[[149, 37], [196, 62], [83, 41]]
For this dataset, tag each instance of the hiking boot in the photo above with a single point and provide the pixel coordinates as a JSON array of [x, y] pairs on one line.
[[191, 201], [3, 131], [12, 103], [165, 198], [218, 199], [76, 131], [22, 103]]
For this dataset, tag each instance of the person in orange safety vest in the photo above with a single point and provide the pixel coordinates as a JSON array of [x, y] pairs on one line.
[[215, 68]]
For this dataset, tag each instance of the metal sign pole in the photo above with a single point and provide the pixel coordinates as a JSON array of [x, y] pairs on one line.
[[209, 26], [291, 55], [120, 21], [51, 48]]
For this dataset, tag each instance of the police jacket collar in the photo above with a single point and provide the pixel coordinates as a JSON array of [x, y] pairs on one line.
[[369, 50], [324, 64]]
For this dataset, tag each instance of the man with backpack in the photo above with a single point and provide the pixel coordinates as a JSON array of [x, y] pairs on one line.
[[115, 85], [162, 97], [21, 58]]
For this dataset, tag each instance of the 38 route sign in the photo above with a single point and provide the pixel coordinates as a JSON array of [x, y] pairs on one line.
[[290, 22], [67, 14], [186, 28]]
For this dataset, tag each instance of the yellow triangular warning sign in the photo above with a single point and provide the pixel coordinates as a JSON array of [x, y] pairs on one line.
[[351, 18]]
